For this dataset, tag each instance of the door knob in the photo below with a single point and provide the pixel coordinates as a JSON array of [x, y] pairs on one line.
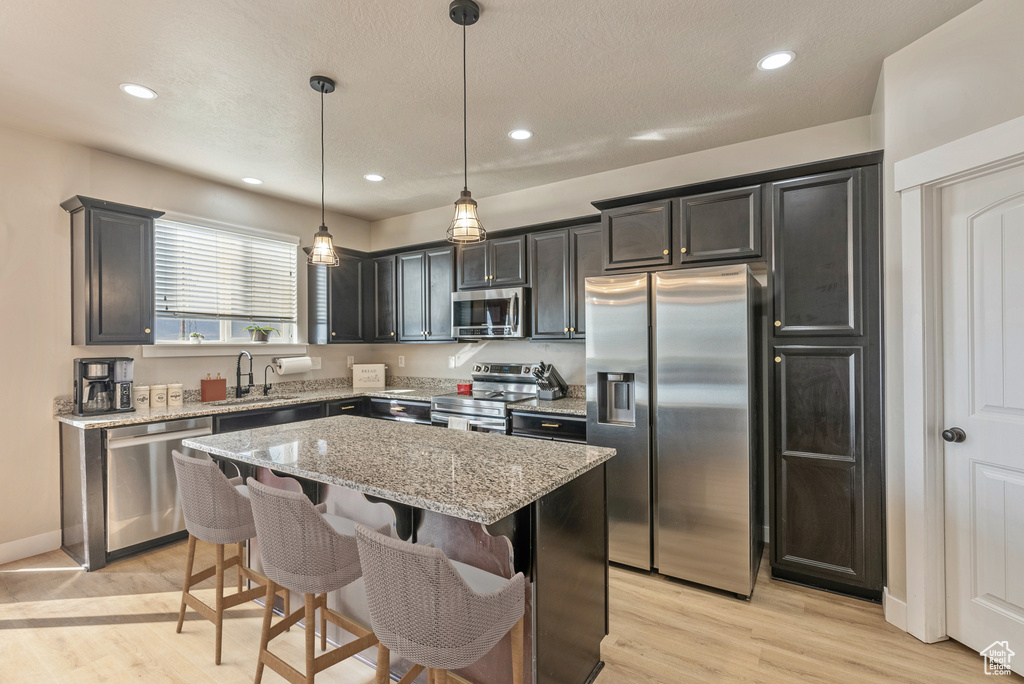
[[954, 434]]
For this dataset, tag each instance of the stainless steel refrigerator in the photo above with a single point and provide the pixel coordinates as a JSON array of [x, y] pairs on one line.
[[674, 372]]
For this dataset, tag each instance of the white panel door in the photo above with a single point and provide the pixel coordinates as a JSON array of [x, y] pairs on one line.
[[983, 319]]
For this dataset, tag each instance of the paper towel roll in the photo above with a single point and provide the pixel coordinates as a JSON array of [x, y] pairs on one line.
[[293, 364]]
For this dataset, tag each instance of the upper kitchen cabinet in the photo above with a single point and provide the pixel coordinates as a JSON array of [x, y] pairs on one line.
[[637, 237], [560, 263], [111, 272], [498, 262], [383, 301], [336, 300], [426, 280], [719, 225], [817, 235]]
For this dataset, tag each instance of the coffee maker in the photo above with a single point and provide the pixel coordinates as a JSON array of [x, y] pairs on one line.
[[103, 386]]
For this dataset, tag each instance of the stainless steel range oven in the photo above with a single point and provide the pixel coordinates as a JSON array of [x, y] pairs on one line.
[[495, 387], [489, 314]]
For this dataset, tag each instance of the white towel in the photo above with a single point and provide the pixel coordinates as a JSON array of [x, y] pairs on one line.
[[455, 423]]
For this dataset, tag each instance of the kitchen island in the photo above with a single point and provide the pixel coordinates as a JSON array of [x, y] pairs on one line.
[[498, 503]]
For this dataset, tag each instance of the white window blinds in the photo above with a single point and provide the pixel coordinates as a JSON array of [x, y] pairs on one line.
[[208, 273]]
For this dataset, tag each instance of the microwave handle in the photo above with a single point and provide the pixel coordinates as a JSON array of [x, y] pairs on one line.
[[515, 312]]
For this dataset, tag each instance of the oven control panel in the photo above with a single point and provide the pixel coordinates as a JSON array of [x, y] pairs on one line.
[[507, 369]]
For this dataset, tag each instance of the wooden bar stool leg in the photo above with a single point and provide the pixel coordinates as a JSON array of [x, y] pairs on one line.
[[383, 665], [219, 607], [440, 676], [241, 557], [310, 637], [517, 652], [323, 622], [188, 580], [268, 613], [287, 596]]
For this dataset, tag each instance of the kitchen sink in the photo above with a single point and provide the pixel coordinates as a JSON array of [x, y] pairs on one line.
[[241, 401]]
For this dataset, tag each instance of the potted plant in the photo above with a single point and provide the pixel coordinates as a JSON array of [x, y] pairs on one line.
[[196, 338], [260, 333]]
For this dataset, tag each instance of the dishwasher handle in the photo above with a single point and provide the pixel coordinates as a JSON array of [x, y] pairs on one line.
[[125, 442]]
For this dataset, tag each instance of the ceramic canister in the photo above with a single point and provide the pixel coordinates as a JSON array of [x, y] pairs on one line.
[[158, 396], [175, 394], [140, 397]]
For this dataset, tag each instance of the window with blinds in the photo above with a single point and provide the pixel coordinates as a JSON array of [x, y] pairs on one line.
[[206, 273]]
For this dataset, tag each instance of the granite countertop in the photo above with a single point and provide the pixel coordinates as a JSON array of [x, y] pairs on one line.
[[476, 476], [567, 406]]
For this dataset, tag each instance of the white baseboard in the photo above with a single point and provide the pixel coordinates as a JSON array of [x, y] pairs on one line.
[[30, 546], [895, 610]]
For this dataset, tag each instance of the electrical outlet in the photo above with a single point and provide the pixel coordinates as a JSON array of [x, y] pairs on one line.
[[451, 362], [350, 360], [401, 362], [317, 365]]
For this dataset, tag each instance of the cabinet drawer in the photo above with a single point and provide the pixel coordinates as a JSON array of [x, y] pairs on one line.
[[393, 409], [557, 427], [347, 407], [262, 418]]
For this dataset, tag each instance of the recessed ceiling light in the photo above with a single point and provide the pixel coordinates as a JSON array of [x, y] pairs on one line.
[[776, 60], [374, 177], [141, 92], [520, 134], [252, 181]]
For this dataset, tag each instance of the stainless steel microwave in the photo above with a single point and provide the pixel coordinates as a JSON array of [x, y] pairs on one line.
[[488, 314]]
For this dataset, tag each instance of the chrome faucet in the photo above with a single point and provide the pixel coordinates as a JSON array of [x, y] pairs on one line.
[[238, 375]]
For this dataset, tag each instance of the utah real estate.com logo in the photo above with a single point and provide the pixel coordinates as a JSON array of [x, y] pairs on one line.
[[997, 658]]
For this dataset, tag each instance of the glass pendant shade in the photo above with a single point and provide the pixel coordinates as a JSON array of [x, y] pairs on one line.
[[323, 253], [466, 227]]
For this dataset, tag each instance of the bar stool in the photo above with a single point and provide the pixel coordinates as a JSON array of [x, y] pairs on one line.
[[424, 610], [217, 511], [311, 553]]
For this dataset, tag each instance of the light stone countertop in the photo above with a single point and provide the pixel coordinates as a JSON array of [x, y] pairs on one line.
[[568, 406], [475, 476]]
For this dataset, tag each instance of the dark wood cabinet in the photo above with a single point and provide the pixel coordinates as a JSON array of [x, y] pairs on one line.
[[817, 255], [112, 287], [826, 411], [719, 225], [498, 262], [426, 280], [335, 301], [358, 406], [383, 302], [637, 237], [560, 262]]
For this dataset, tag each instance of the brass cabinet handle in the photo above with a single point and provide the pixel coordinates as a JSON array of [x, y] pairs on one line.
[[392, 333], [683, 250], [333, 333], [572, 329], [665, 252], [147, 331], [565, 330], [550, 425], [346, 408], [778, 359], [778, 324], [398, 408]]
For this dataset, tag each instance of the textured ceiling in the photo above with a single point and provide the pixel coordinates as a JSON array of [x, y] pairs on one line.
[[602, 83]]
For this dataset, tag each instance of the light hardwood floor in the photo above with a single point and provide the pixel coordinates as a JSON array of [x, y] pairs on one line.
[[59, 624]]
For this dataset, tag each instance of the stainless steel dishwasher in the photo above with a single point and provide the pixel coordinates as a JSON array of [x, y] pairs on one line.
[[142, 491]]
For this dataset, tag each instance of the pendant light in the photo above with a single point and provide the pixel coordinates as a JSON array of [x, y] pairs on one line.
[[323, 253], [465, 227]]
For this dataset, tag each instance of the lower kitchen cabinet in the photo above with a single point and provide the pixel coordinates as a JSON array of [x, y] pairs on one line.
[[557, 427], [247, 420], [347, 407], [405, 411]]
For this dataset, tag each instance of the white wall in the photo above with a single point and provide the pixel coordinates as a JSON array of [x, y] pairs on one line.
[[36, 175], [961, 78]]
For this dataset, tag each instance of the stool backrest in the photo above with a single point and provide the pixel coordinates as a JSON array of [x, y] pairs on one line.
[[424, 611], [299, 549], [214, 510]]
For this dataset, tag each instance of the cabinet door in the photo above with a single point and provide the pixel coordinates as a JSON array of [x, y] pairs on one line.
[[473, 273], [637, 237], [412, 304], [440, 283], [816, 254], [507, 261], [384, 299], [549, 271], [318, 304], [120, 287], [720, 225], [826, 521], [346, 299], [585, 263]]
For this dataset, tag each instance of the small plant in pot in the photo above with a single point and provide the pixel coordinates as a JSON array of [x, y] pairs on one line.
[[260, 333], [196, 338]]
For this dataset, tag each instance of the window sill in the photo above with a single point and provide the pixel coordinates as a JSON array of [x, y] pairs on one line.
[[221, 349]]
